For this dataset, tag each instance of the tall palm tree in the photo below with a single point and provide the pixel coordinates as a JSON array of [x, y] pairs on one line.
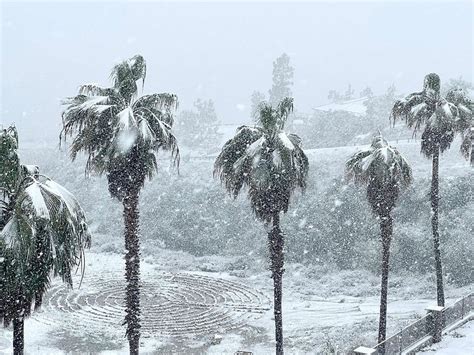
[[272, 164], [121, 132], [464, 122], [435, 116], [43, 231], [385, 172]]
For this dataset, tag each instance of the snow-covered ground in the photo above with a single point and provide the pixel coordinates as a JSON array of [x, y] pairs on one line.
[[323, 309], [456, 342]]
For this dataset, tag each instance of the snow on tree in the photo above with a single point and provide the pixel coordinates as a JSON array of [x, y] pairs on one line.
[[429, 112], [385, 172], [271, 164], [282, 79], [43, 231], [121, 132]]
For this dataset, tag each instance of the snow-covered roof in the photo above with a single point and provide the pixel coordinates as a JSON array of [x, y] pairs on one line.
[[355, 106]]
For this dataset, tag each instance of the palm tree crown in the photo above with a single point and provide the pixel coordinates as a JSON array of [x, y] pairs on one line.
[[464, 121], [270, 162], [120, 131], [430, 110], [385, 172], [43, 230]]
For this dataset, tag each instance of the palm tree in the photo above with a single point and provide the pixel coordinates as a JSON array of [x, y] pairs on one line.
[[430, 112], [272, 164], [121, 134], [385, 172], [464, 121], [43, 231]]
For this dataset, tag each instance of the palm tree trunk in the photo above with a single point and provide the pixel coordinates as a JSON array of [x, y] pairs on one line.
[[18, 336], [275, 244], [434, 226], [386, 234], [132, 271]]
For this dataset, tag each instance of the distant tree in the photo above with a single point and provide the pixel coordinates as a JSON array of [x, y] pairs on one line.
[[121, 133], [272, 164], [367, 92], [430, 112], [349, 93], [385, 172], [199, 128], [335, 96], [457, 84], [255, 100], [379, 107], [283, 74], [464, 121], [43, 231]]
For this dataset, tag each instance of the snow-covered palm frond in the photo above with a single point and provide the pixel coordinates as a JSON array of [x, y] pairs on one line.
[[118, 131], [126, 74], [384, 170], [270, 162], [428, 112], [274, 118], [45, 232], [464, 121]]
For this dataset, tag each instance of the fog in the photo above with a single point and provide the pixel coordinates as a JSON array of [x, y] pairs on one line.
[[223, 51]]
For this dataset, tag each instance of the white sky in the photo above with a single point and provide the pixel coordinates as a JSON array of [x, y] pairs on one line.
[[224, 50]]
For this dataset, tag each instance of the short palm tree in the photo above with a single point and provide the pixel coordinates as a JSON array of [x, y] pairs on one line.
[[385, 172], [436, 117], [272, 164], [121, 133], [464, 121], [43, 231]]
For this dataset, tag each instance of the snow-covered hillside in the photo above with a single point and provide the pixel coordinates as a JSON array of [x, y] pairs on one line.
[[331, 286]]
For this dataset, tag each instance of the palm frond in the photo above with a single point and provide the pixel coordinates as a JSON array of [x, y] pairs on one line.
[[113, 127], [430, 113], [383, 170], [270, 162]]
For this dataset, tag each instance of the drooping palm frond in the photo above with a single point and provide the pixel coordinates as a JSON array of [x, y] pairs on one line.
[[119, 131], [270, 162], [385, 172], [430, 113], [43, 232], [464, 121]]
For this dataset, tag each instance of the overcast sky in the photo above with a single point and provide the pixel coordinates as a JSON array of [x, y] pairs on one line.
[[224, 51]]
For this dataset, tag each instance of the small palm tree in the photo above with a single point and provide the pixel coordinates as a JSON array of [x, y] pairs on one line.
[[430, 112], [121, 134], [385, 172], [464, 121], [272, 164], [42, 231]]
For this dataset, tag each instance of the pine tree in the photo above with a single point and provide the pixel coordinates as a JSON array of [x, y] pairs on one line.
[[282, 80]]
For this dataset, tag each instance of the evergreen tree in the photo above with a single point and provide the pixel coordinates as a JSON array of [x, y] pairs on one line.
[[199, 129], [121, 132], [272, 164], [255, 100], [43, 231], [282, 80], [385, 172]]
